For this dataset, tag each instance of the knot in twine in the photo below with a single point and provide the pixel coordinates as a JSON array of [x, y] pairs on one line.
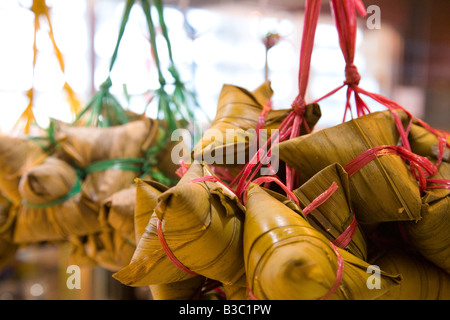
[[298, 106], [352, 76]]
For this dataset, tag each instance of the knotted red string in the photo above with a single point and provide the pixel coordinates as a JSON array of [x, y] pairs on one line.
[[344, 12], [352, 76], [290, 127]]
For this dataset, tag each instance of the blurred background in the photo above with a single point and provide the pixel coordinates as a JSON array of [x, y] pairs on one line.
[[215, 42]]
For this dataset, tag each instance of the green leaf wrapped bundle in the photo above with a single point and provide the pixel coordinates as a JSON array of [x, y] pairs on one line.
[[111, 157], [286, 258]]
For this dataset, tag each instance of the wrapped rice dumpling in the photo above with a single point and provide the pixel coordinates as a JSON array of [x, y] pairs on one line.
[[147, 193], [425, 143], [430, 235], [201, 223], [16, 156], [383, 189], [237, 114], [421, 279], [112, 157], [334, 218], [113, 247], [51, 208], [287, 259]]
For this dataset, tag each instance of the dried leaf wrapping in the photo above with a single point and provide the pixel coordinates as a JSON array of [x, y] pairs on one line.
[[117, 212], [16, 156], [227, 140], [382, 190], [425, 143], [286, 258], [335, 215], [90, 145], [7, 247], [430, 235], [196, 217], [52, 208]]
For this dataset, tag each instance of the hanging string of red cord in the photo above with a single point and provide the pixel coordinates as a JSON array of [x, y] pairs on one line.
[[345, 15], [290, 127]]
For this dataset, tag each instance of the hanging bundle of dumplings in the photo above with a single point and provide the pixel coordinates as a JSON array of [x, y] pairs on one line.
[[111, 157]]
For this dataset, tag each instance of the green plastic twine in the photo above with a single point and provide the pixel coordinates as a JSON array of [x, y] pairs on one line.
[[175, 109], [183, 98], [105, 108], [127, 164]]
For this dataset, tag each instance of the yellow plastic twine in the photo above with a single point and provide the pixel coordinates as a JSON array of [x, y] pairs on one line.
[[27, 118]]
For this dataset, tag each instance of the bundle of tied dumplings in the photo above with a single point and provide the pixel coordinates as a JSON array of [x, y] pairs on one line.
[[269, 245], [359, 203]]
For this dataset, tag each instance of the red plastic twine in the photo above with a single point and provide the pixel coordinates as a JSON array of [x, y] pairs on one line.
[[344, 12], [420, 166], [339, 273], [321, 198], [290, 127], [169, 252]]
